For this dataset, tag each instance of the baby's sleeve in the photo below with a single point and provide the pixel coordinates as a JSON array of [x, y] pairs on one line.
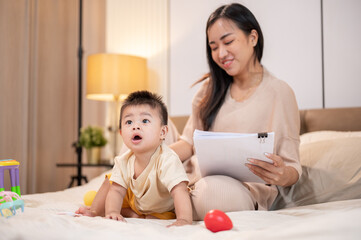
[[171, 171], [119, 172]]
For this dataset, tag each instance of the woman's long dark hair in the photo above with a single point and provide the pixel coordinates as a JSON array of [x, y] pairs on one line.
[[219, 79]]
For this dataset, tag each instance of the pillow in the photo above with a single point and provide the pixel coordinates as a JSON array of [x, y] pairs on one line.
[[331, 172], [326, 135]]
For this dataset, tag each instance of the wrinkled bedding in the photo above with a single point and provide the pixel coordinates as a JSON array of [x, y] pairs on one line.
[[41, 220], [324, 204]]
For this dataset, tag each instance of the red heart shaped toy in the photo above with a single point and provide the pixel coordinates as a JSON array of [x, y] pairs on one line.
[[216, 220]]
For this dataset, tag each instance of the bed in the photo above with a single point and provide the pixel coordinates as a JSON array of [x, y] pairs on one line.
[[324, 204]]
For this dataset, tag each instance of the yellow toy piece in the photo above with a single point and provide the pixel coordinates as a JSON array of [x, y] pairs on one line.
[[89, 197], [6, 212]]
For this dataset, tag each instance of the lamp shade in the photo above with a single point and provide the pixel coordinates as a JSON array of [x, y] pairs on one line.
[[111, 77]]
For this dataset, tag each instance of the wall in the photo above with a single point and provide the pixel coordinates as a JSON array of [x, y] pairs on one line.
[[294, 32], [342, 34], [38, 64], [14, 94], [140, 28], [293, 48], [39, 86]]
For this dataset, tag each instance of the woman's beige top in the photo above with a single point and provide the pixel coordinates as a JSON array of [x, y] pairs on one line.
[[271, 108]]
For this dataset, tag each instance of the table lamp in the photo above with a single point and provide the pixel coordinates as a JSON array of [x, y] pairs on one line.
[[111, 77]]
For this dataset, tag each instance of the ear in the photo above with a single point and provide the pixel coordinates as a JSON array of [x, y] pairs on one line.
[[253, 37], [163, 132], [120, 131]]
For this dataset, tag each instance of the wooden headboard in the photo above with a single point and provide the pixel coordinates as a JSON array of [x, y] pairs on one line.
[[333, 119]]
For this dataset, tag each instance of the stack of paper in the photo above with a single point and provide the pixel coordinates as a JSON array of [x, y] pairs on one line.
[[226, 153]]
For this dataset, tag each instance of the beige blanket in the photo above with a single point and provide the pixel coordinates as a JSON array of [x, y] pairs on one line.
[[40, 220]]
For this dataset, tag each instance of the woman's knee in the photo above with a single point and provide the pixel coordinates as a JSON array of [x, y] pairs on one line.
[[220, 192]]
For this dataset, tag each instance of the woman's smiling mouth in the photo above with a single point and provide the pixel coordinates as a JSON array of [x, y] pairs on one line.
[[227, 63]]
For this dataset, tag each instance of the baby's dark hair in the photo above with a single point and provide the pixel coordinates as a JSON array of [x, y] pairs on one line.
[[147, 98]]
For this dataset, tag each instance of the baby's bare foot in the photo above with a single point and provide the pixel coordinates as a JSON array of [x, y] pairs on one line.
[[85, 211], [129, 213]]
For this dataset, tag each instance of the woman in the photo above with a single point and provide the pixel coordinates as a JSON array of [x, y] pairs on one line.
[[240, 95]]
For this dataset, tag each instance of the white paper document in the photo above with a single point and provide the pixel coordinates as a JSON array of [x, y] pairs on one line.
[[226, 153]]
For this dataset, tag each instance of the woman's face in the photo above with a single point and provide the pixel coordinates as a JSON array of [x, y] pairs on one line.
[[231, 49]]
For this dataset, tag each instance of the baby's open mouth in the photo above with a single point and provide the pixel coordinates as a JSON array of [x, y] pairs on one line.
[[137, 137]]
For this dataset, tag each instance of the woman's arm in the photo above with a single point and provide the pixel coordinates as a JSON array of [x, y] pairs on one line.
[[183, 149], [285, 117]]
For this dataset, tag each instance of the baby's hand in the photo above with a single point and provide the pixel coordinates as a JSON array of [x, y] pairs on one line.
[[180, 222], [115, 216]]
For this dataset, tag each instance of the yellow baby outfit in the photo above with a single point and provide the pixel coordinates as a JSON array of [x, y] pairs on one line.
[[149, 193]]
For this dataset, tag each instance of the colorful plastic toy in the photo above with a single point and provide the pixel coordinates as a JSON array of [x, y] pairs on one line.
[[10, 202], [13, 167]]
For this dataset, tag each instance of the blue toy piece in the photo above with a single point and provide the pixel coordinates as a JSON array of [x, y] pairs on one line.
[[10, 202]]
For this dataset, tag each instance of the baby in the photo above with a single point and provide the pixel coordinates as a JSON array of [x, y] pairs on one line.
[[148, 181]]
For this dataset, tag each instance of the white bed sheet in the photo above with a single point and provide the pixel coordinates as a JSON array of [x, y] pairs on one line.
[[40, 220]]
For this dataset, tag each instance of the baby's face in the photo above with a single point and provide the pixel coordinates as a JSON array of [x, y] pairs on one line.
[[142, 129]]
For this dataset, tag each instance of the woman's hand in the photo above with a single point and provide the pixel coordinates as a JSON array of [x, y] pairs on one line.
[[276, 173]]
